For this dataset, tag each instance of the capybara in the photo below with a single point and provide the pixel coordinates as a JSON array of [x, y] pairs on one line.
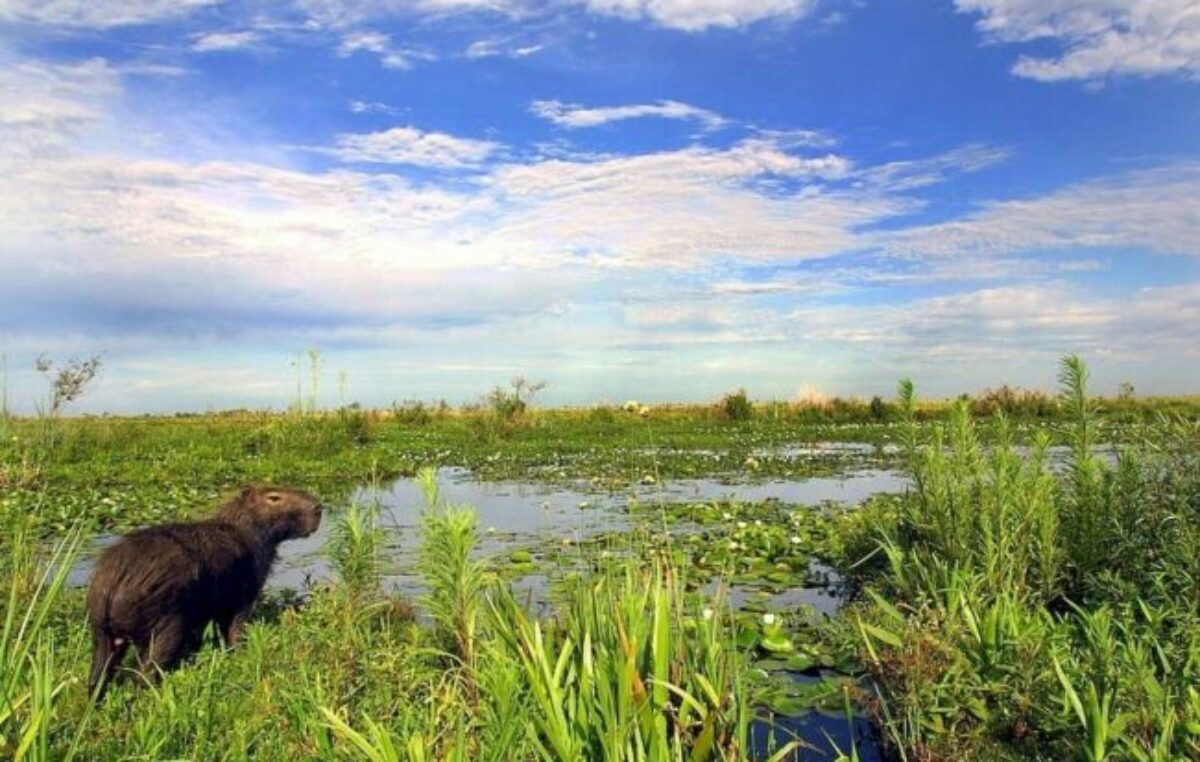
[[160, 587]]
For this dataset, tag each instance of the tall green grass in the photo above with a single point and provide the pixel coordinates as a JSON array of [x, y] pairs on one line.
[[630, 667], [31, 681], [1023, 612]]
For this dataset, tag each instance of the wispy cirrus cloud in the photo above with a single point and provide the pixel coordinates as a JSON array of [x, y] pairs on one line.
[[358, 106], [1102, 38], [1153, 209], [492, 47], [48, 105], [223, 41], [391, 56], [98, 14], [575, 116]]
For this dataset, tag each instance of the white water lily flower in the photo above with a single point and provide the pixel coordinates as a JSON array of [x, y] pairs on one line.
[[733, 546], [727, 516], [741, 525], [707, 614], [796, 540], [757, 522], [768, 619], [491, 530]]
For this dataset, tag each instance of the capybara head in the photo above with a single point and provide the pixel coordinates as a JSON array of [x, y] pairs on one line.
[[279, 512]]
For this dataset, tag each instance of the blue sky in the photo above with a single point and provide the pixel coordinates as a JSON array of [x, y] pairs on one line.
[[656, 199]]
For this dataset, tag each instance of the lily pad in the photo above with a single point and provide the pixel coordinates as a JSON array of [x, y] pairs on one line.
[[777, 644]]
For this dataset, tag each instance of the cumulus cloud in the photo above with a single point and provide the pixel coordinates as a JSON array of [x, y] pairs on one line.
[[1101, 38], [574, 116], [698, 15], [408, 145], [220, 41]]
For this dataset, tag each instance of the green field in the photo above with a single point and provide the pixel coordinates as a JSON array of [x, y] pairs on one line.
[[1030, 591]]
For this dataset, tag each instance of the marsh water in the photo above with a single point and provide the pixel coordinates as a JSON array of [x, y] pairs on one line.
[[535, 516]]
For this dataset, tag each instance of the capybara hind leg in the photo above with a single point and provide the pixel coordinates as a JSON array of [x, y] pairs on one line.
[[231, 628], [107, 654], [163, 650]]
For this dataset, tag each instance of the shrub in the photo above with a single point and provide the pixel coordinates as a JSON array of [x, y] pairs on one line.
[[736, 406], [878, 409], [412, 413], [509, 404]]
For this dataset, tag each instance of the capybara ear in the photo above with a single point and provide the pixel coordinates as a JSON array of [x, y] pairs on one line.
[[247, 492]]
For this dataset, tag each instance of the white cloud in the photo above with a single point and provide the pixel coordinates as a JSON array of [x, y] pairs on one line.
[[219, 41], [372, 107], [1026, 323], [46, 105], [1152, 209], [642, 258], [344, 13], [679, 208], [408, 145], [698, 15], [1102, 38], [574, 116], [753, 288], [98, 13], [490, 48], [484, 49], [380, 44]]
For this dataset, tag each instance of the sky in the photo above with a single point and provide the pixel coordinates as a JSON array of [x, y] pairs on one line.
[[648, 199]]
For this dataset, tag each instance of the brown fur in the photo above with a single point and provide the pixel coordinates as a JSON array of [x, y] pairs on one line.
[[159, 588]]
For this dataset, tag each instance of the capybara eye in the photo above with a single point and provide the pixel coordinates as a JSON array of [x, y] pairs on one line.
[[273, 497]]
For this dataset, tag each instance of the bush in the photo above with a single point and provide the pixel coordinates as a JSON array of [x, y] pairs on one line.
[[736, 406], [509, 404], [878, 409], [1014, 402], [412, 413]]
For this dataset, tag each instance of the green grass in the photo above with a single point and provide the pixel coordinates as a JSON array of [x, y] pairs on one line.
[[1006, 610], [115, 472], [630, 667], [1019, 614]]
